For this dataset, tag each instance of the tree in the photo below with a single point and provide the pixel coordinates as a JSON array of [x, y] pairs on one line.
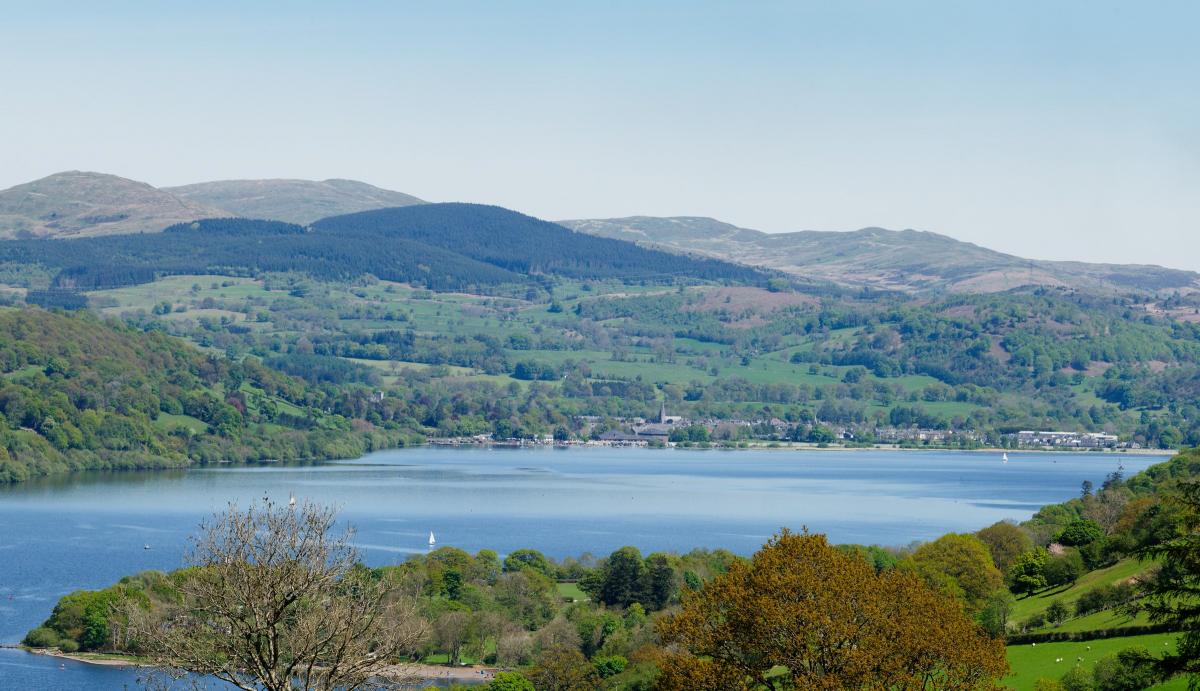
[[1129, 670], [452, 631], [528, 559], [1057, 612], [564, 669], [1169, 597], [1005, 542], [960, 565], [275, 600], [625, 578], [1080, 532], [827, 618], [1028, 573], [996, 612], [1077, 679], [509, 681], [1063, 569]]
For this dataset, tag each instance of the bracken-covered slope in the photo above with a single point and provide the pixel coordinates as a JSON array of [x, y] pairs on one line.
[[79, 204], [294, 201], [907, 260]]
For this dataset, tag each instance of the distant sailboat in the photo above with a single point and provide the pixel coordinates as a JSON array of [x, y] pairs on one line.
[[1005, 457], [432, 541], [291, 499], [145, 546]]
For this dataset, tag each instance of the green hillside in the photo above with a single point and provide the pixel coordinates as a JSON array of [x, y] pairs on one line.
[[79, 393]]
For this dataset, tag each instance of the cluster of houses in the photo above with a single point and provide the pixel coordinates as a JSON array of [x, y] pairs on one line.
[[925, 436], [640, 431], [1075, 440]]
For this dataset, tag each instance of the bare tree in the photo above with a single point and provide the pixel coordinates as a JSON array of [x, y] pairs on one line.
[[276, 600]]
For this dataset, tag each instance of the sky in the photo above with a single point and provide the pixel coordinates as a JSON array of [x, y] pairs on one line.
[[1060, 130]]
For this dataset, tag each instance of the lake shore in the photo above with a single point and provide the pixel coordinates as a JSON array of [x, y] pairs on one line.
[[421, 671], [775, 446]]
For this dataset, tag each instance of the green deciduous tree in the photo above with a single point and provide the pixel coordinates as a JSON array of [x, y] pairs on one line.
[[959, 565], [1005, 542], [1028, 573]]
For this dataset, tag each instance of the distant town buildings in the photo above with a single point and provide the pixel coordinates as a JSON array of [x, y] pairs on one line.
[[1080, 440]]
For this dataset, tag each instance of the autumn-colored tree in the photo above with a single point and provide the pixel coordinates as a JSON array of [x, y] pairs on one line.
[[830, 621]]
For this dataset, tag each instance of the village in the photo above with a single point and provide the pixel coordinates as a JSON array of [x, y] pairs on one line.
[[666, 430]]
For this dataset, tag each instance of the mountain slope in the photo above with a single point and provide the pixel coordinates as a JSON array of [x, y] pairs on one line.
[[446, 247], [527, 245], [906, 260], [78, 203], [294, 201], [78, 393]]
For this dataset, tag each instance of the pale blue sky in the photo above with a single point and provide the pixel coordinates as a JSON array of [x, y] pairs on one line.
[[1047, 129]]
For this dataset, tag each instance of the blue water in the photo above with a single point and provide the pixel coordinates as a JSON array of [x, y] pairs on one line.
[[88, 530]]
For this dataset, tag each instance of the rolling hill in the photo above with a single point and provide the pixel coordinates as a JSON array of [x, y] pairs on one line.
[[294, 201], [78, 393], [905, 260], [85, 204], [445, 247], [79, 204]]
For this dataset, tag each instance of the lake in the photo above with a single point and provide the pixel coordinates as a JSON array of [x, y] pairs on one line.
[[90, 529]]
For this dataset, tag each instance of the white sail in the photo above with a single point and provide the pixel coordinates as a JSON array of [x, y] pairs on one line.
[[432, 541], [1006, 457]]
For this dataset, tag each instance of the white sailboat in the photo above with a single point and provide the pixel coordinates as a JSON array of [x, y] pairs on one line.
[[432, 541], [1005, 457], [291, 499]]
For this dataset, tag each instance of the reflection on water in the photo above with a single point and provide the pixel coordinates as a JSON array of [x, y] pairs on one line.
[[89, 529]]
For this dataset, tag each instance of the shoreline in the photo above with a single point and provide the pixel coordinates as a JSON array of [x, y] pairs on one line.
[[419, 670], [773, 446], [446, 443]]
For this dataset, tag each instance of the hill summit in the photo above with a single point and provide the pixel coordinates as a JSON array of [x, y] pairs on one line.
[[294, 201], [76, 203], [79, 203]]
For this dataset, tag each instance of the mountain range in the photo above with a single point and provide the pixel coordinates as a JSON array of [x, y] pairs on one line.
[[79, 204], [904, 260]]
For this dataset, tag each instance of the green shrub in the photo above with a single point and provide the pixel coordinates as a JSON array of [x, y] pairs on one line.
[[68, 646], [1126, 671], [1077, 679], [1080, 532], [41, 637], [510, 681], [609, 666], [1056, 612]]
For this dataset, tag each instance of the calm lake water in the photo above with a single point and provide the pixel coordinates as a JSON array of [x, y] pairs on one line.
[[89, 530]]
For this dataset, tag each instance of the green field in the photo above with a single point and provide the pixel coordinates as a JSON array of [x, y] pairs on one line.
[[1032, 662], [571, 590], [1039, 602], [720, 352], [167, 421]]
